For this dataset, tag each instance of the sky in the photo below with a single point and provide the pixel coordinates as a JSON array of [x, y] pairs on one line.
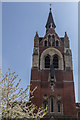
[[0, 34], [78, 52], [20, 21]]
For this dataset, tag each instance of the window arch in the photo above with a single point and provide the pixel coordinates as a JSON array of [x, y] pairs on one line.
[[53, 43], [49, 43], [49, 36], [57, 43], [52, 104], [59, 107], [55, 61], [53, 36], [45, 43], [47, 62], [51, 51]]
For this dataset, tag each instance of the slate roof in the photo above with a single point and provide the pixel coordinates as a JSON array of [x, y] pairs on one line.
[[50, 20], [62, 39]]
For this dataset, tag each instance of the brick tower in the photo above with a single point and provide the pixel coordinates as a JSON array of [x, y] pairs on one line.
[[52, 73]]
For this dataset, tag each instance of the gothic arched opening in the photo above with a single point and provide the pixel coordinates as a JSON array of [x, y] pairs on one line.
[[49, 36], [45, 43], [57, 43], [53, 36], [47, 62], [55, 61], [52, 105], [58, 107]]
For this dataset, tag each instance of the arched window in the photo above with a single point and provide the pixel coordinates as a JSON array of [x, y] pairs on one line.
[[52, 108], [47, 62], [58, 107], [49, 36], [55, 61], [53, 36], [45, 43], [57, 43]]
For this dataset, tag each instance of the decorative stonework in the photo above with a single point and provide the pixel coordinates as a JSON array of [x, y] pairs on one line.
[[67, 51], [58, 98], [35, 63], [51, 51], [52, 41], [45, 97], [68, 58]]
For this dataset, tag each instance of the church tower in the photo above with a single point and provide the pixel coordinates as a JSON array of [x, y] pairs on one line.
[[52, 73]]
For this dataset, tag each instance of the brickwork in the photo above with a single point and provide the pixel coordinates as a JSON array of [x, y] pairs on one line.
[[61, 88]]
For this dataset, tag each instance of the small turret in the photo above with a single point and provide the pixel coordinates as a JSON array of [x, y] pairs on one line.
[[35, 63], [66, 41], [36, 40], [67, 53]]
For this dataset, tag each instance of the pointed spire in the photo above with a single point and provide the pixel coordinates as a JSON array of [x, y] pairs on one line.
[[36, 40], [66, 35], [66, 40], [50, 22], [36, 33]]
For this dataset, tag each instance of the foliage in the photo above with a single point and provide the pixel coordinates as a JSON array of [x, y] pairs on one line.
[[14, 100]]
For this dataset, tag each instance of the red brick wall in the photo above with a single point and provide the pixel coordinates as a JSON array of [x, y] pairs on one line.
[[65, 89]]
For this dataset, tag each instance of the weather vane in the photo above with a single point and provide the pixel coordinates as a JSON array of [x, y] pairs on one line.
[[50, 6]]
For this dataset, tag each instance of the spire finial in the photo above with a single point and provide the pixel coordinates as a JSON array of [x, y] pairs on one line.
[[50, 6], [66, 34], [50, 21]]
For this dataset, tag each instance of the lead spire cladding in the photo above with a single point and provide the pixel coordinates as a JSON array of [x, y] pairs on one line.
[[50, 22]]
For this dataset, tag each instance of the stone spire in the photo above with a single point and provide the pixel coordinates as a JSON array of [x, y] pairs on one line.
[[66, 40], [50, 22], [36, 40]]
